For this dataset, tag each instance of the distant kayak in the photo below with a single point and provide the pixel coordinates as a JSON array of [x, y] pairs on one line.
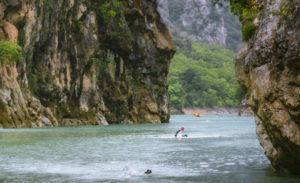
[[197, 114]]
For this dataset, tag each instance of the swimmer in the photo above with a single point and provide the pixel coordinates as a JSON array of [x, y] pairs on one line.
[[148, 172], [178, 131]]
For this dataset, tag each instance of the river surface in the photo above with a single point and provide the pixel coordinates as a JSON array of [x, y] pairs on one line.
[[219, 149]]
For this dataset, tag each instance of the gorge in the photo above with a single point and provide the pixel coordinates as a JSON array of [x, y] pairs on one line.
[[98, 62]]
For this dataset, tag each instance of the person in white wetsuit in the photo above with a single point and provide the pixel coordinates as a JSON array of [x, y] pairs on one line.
[[180, 130]]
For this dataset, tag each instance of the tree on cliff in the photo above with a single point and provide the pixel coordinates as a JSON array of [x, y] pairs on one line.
[[246, 10]]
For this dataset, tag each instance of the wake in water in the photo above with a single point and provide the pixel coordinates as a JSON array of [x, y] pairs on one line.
[[130, 172], [169, 136]]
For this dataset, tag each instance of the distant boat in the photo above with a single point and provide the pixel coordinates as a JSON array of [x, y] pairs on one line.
[[197, 114]]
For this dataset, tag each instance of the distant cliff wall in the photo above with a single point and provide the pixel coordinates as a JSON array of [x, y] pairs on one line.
[[202, 21]]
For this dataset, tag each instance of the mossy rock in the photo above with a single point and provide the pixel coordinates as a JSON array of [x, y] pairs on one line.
[[248, 30]]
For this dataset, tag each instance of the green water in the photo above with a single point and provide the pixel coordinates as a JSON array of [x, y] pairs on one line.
[[218, 149]]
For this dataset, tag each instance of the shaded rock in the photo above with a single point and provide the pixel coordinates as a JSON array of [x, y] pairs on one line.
[[101, 120], [45, 121], [245, 109], [176, 111]]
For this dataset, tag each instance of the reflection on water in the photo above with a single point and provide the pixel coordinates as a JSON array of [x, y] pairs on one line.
[[218, 149]]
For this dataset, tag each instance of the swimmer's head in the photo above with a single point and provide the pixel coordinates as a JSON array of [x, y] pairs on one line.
[[148, 172]]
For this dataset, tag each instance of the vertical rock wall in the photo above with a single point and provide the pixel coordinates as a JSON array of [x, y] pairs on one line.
[[268, 66], [202, 21], [85, 62]]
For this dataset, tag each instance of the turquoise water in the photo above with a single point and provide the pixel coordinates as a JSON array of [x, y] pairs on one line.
[[218, 149]]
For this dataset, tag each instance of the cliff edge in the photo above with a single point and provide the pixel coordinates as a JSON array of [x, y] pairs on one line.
[[268, 66]]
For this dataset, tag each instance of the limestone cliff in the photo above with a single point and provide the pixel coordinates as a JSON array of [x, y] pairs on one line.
[[84, 62], [268, 67], [200, 20], [245, 109]]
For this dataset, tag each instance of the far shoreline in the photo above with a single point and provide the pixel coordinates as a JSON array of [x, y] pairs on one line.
[[217, 111]]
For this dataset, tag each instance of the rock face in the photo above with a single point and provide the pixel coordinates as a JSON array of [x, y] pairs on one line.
[[268, 66], [245, 109], [202, 21], [84, 62]]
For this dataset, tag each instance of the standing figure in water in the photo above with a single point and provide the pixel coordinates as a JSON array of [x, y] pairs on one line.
[[178, 131]]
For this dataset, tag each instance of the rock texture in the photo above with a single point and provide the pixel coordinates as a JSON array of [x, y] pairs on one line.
[[268, 66], [245, 109], [84, 62], [202, 21]]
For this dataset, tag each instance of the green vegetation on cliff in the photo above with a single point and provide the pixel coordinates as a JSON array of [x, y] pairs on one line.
[[202, 75], [247, 11], [9, 52]]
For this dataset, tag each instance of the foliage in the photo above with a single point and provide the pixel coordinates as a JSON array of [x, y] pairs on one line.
[[285, 9], [113, 22], [109, 9], [102, 64], [107, 14], [240, 7], [202, 75], [77, 28], [10, 52], [5, 2], [21, 37], [21, 34], [36, 76], [48, 3], [247, 11], [61, 19], [248, 30]]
